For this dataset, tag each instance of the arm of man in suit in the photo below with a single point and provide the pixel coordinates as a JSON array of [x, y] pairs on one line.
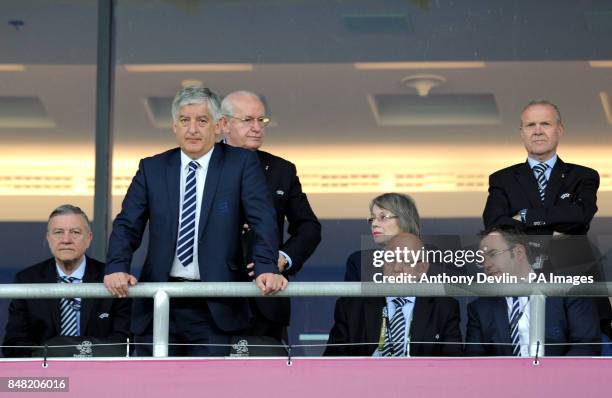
[[497, 210], [574, 213], [122, 315], [303, 226], [339, 332], [474, 333], [18, 328], [452, 332], [126, 236], [583, 325], [261, 218]]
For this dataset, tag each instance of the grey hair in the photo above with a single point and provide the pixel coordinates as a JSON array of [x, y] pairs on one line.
[[542, 102], [403, 207], [69, 209], [227, 105], [195, 95]]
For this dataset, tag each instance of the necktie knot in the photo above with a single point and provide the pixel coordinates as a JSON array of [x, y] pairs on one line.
[[68, 279], [540, 168], [193, 165], [400, 302]]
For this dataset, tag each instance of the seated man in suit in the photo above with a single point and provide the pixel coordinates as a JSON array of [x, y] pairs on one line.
[[505, 320], [33, 322], [396, 326], [244, 122]]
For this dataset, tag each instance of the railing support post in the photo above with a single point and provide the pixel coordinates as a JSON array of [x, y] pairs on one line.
[[537, 321], [161, 323]]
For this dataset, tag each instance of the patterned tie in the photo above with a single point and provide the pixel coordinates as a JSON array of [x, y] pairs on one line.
[[394, 344], [539, 170], [515, 315], [186, 236], [68, 310]]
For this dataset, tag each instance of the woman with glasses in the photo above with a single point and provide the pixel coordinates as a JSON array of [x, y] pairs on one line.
[[390, 214]]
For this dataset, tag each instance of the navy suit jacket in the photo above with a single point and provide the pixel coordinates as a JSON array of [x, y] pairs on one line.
[[568, 320], [569, 206], [304, 228], [32, 322], [235, 190]]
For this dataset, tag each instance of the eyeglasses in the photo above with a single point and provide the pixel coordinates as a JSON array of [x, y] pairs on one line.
[[380, 218], [494, 253], [264, 121]]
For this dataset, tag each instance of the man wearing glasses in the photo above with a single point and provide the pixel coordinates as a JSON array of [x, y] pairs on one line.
[[502, 323], [243, 122]]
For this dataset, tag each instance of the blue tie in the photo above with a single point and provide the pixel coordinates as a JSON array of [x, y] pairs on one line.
[[68, 310], [515, 316], [186, 236], [539, 170], [394, 344]]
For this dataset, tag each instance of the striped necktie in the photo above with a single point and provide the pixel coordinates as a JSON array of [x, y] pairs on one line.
[[539, 170], [69, 307], [186, 236], [396, 332], [515, 316]]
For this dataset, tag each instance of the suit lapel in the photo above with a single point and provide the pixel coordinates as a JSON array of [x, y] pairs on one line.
[[215, 166], [87, 304], [557, 176], [420, 319], [173, 183], [49, 275], [373, 320], [502, 323], [526, 179]]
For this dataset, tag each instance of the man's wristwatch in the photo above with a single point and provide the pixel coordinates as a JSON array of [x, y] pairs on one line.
[[523, 214]]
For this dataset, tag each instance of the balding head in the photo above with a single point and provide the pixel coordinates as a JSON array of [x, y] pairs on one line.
[[244, 120], [412, 245]]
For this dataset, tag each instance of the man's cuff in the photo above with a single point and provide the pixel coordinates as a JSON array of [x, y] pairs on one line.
[[289, 263]]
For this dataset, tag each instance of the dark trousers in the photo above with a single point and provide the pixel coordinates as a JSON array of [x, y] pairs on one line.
[[190, 323], [260, 326]]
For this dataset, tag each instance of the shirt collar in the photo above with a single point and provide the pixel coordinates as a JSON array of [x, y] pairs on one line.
[[203, 160], [79, 272], [550, 162]]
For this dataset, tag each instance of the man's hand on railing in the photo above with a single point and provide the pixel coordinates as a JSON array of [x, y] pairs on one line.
[[117, 283], [270, 283]]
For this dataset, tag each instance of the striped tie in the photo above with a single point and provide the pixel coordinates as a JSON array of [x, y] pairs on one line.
[[515, 315], [394, 344], [539, 170], [69, 308], [186, 236]]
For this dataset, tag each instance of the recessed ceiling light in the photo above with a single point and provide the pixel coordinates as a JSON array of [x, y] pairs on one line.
[[148, 68], [419, 65]]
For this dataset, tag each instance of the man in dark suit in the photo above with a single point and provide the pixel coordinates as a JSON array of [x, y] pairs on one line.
[[396, 326], [243, 123], [195, 199], [33, 322], [505, 320], [543, 195]]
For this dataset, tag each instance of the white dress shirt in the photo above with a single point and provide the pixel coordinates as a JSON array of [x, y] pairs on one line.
[[191, 271], [79, 273], [523, 324]]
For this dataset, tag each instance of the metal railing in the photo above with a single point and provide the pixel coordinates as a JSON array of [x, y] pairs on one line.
[[162, 292]]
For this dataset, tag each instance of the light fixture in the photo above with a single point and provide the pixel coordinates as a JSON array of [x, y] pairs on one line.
[[152, 68], [423, 83], [419, 65], [12, 68]]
